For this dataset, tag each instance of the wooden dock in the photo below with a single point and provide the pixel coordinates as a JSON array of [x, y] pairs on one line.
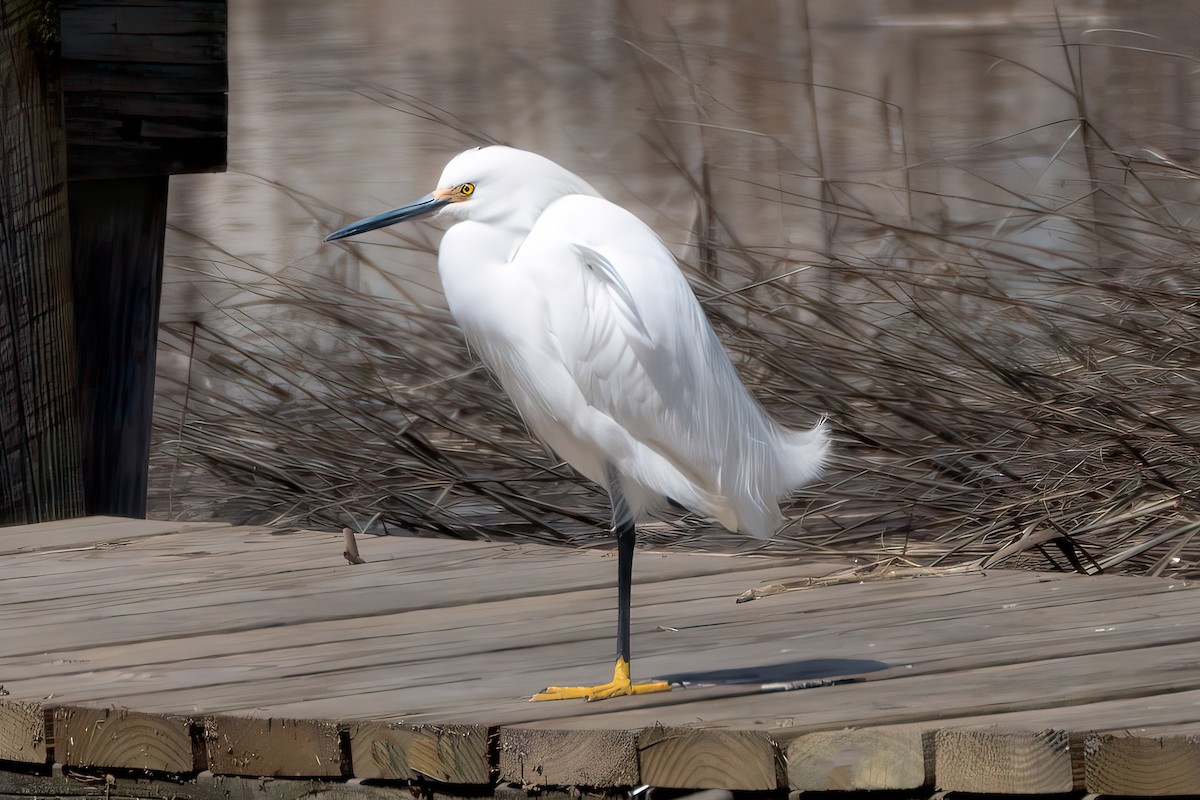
[[200, 656]]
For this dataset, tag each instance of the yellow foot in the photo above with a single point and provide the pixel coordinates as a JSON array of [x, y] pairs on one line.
[[620, 685]]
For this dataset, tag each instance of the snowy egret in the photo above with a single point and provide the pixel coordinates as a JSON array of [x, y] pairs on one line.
[[581, 312]]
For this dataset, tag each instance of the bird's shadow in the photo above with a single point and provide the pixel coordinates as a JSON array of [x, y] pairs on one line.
[[792, 674]]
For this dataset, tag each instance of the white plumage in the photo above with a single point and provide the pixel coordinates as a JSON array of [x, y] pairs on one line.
[[582, 314]]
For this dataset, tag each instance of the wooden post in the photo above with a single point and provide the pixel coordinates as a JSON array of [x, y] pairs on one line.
[[117, 231], [135, 92], [39, 424], [144, 93]]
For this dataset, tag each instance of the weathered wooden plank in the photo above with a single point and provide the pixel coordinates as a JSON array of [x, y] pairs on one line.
[[40, 476], [117, 785], [511, 792], [995, 761], [432, 648], [135, 614], [58, 525], [103, 157], [899, 757], [388, 580], [114, 134], [891, 698], [1170, 713], [1141, 764], [179, 32], [397, 751], [402, 562], [432, 635], [1108, 649], [22, 732], [85, 531], [547, 757], [708, 758], [119, 738], [201, 110], [385, 580], [144, 88], [273, 747], [158, 79], [65, 571]]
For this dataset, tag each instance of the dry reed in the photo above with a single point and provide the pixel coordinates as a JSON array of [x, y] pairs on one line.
[[990, 405]]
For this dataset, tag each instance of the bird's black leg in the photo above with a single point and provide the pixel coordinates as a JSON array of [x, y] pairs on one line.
[[622, 682], [626, 533], [625, 542], [623, 527]]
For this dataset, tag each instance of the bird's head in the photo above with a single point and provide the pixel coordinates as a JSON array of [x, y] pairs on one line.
[[496, 185]]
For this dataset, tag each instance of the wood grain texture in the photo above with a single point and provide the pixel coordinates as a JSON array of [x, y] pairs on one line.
[[22, 732], [144, 87], [141, 786], [898, 757], [85, 532], [178, 32], [272, 747], [511, 792], [398, 751], [1142, 764], [40, 476], [251, 620], [990, 760], [698, 758], [546, 757], [105, 737]]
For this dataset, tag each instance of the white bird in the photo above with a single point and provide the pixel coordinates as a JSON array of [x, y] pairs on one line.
[[581, 312]]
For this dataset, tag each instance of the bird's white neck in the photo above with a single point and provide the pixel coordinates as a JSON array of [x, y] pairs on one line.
[[480, 243]]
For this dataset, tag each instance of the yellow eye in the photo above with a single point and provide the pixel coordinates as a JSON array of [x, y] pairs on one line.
[[466, 189]]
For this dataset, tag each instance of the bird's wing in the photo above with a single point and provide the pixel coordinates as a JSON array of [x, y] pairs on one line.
[[649, 384], [614, 287]]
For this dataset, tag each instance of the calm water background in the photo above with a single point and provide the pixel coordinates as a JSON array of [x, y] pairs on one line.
[[807, 132], [338, 110]]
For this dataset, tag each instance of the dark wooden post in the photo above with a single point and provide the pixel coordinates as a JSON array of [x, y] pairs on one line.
[[144, 90], [117, 231], [40, 477]]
